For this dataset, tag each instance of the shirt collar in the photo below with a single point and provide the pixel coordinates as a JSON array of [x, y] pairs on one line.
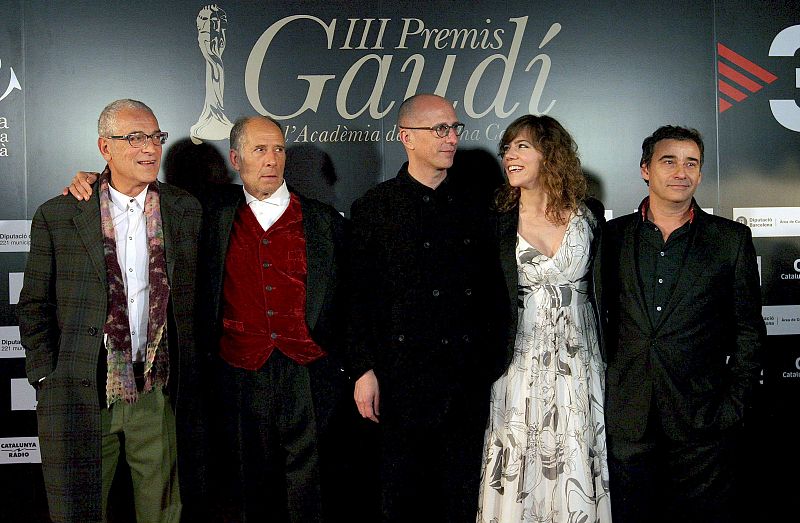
[[645, 206], [121, 201], [280, 197], [405, 177]]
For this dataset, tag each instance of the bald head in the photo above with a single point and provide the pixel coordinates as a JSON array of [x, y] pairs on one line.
[[429, 155], [415, 107]]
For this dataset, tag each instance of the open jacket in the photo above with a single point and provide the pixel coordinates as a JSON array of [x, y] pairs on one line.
[[325, 233], [699, 362], [62, 311]]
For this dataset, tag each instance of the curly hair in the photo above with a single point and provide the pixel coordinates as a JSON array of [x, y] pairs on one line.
[[560, 170]]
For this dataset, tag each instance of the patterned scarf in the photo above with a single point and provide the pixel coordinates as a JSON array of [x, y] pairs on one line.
[[120, 382]]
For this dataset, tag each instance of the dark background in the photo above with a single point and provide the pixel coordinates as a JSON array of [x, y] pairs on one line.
[[615, 72]]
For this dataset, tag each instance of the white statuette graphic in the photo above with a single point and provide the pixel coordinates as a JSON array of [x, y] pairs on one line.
[[212, 124]]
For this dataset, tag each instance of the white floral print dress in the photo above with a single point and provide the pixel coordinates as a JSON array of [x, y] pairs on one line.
[[545, 451]]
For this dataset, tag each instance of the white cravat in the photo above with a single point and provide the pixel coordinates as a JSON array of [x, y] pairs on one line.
[[130, 232], [269, 209]]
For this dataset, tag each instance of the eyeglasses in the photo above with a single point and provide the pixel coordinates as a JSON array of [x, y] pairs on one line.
[[441, 130], [138, 138]]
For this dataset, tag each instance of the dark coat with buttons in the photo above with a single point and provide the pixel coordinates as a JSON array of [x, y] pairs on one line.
[[428, 295], [62, 310]]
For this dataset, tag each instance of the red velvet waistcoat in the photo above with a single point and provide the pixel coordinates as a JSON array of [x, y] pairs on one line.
[[264, 291]]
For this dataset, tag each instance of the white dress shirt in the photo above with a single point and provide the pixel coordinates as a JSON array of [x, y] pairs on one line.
[[130, 231], [268, 210]]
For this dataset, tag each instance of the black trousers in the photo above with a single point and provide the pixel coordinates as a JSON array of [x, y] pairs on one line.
[[270, 425], [430, 462], [659, 480]]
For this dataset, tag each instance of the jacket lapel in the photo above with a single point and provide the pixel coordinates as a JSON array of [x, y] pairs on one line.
[[90, 229], [223, 217], [171, 218], [507, 235], [629, 263], [219, 212], [319, 253]]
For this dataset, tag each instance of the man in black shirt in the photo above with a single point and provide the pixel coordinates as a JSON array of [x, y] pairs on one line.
[[683, 339], [427, 283]]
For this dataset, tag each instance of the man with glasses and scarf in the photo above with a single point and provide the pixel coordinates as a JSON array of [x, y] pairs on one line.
[[106, 319]]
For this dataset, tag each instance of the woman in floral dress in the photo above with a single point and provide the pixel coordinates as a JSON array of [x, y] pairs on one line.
[[545, 449]]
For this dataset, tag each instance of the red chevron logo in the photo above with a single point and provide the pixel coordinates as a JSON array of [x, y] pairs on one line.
[[737, 75]]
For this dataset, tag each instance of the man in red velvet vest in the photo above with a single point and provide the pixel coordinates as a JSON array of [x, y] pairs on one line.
[[272, 267]]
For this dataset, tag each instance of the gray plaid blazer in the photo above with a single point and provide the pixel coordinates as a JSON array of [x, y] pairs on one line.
[[62, 310]]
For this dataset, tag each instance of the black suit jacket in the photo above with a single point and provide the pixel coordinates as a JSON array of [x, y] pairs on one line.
[[700, 361], [326, 252]]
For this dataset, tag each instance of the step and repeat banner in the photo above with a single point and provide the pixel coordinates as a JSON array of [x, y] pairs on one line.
[[334, 73]]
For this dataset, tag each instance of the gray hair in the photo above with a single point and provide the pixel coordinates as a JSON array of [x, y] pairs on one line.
[[107, 123], [237, 131]]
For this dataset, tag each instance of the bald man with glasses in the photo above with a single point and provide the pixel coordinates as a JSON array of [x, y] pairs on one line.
[[422, 345]]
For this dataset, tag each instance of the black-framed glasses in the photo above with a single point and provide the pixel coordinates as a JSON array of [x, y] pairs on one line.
[[138, 138], [441, 130]]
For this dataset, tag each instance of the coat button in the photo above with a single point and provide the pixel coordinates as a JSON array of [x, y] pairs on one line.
[[92, 331], [426, 198], [265, 241], [466, 338], [435, 292], [401, 338], [426, 245], [445, 341], [85, 382], [468, 292], [273, 335], [467, 241]]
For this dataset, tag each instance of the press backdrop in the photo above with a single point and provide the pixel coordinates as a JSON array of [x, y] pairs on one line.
[[335, 73]]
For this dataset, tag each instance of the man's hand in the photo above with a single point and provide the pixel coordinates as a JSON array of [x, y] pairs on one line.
[[81, 186], [367, 396]]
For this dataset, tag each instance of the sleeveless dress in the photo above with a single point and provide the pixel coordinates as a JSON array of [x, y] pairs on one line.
[[545, 457]]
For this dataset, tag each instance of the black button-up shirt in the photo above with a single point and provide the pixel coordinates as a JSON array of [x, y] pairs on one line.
[[660, 263]]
